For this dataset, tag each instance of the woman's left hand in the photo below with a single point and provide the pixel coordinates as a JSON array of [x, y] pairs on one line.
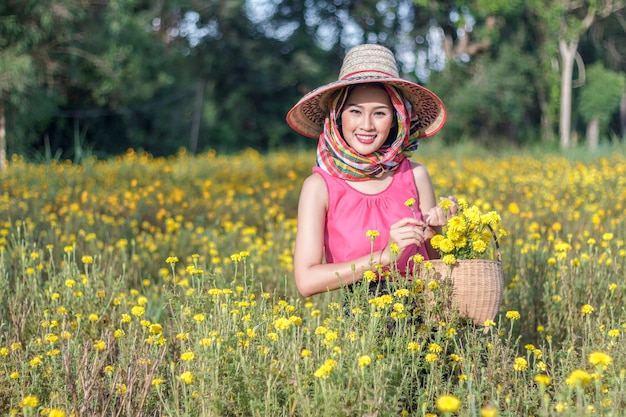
[[438, 216]]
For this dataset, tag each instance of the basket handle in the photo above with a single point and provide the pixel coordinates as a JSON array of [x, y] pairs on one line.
[[495, 239]]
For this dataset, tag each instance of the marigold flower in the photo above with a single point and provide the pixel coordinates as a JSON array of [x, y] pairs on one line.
[[370, 276], [520, 364], [55, 412], [449, 259], [513, 315], [187, 377], [305, 353], [156, 382], [29, 401], [578, 376], [410, 202], [36, 361], [600, 359], [488, 411], [137, 311], [413, 346], [587, 309], [372, 234], [187, 356], [448, 403], [87, 259], [435, 348], [431, 357], [543, 379], [100, 345], [282, 323], [325, 369], [171, 260], [364, 360]]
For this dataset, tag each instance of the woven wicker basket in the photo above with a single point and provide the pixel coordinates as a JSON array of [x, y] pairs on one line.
[[477, 287]]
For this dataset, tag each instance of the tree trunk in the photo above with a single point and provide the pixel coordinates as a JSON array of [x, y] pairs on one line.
[[567, 50], [593, 133], [622, 116], [197, 116], [3, 140]]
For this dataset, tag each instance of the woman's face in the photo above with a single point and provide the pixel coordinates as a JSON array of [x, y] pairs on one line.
[[367, 118]]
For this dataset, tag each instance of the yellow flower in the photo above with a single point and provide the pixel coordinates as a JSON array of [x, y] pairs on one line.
[[156, 328], [199, 317], [364, 360], [187, 356], [14, 375], [394, 248], [282, 323], [587, 309], [118, 333], [431, 357], [600, 359], [171, 260], [520, 364], [449, 259], [187, 377], [543, 379], [87, 259], [410, 202], [137, 311], [448, 403], [324, 370], [435, 348], [413, 346], [305, 353], [513, 315], [370, 276], [372, 234], [156, 381], [55, 412], [578, 376], [29, 401], [100, 345], [488, 411]]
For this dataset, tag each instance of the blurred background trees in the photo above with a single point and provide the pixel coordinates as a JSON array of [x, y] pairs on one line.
[[85, 77]]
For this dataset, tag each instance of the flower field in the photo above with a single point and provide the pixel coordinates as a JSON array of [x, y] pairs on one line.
[[144, 286]]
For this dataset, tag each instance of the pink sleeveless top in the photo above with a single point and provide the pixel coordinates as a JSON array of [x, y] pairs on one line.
[[352, 213]]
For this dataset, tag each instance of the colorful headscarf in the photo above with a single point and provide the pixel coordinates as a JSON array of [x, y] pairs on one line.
[[337, 158]]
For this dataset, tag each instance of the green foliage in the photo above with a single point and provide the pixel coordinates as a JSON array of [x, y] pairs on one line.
[[162, 286], [600, 96]]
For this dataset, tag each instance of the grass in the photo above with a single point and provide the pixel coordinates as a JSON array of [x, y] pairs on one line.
[[143, 286]]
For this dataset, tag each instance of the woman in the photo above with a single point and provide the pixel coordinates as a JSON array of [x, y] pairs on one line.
[[355, 212]]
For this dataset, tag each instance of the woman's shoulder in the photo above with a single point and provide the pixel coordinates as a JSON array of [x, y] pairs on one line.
[[419, 170], [315, 184]]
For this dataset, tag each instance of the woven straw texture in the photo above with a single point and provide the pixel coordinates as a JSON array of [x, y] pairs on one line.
[[368, 63], [477, 287]]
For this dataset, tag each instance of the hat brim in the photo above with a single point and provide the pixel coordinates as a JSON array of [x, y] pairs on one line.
[[307, 116]]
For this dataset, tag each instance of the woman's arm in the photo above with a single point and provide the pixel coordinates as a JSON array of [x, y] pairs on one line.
[[312, 275]]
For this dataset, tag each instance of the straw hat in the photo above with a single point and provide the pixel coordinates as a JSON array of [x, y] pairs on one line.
[[362, 64]]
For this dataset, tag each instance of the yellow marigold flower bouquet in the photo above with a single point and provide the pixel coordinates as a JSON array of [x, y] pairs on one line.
[[469, 234], [477, 283]]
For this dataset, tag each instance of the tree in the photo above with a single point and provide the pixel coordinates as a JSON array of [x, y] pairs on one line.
[[576, 19], [599, 99]]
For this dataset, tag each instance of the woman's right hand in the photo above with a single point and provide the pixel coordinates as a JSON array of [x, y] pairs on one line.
[[404, 233]]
